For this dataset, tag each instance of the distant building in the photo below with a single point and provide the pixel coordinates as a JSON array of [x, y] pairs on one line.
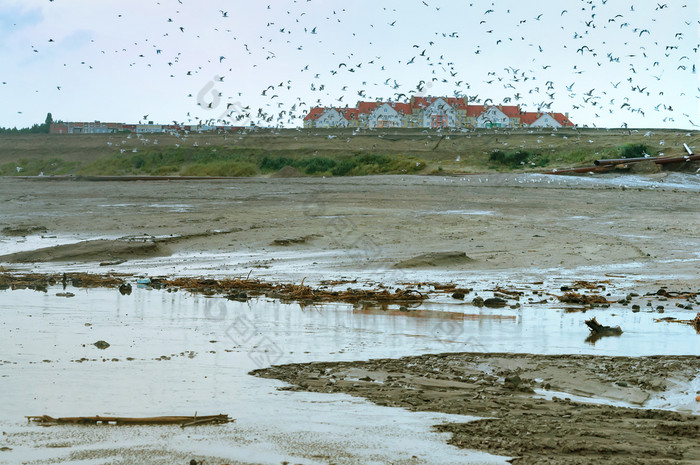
[[97, 127], [432, 112]]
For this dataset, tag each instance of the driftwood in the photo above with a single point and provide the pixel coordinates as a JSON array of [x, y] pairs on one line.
[[601, 330], [96, 420], [695, 323]]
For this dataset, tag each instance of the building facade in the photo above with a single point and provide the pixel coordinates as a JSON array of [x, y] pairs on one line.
[[432, 112]]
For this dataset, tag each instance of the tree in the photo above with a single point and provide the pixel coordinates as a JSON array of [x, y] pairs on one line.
[[49, 119]]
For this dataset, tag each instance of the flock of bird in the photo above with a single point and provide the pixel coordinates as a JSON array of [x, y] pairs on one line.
[[549, 60]]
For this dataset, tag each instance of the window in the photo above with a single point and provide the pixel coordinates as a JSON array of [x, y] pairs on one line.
[[439, 121]]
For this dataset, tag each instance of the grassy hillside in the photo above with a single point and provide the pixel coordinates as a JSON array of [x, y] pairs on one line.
[[328, 152]]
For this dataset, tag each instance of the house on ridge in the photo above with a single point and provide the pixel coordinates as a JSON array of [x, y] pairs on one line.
[[545, 120], [325, 118]]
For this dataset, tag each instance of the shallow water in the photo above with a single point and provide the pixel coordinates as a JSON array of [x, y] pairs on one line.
[[192, 354]]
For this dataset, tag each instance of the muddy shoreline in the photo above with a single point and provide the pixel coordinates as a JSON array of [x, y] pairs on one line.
[[501, 389]]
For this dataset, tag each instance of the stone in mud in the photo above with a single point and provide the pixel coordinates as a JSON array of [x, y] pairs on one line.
[[478, 302], [101, 345], [494, 302]]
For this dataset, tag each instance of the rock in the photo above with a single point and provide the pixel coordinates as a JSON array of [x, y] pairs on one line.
[[494, 302], [512, 382], [458, 295], [478, 302], [101, 345], [125, 289], [65, 294]]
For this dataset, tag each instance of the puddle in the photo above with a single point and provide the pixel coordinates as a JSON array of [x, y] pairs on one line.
[[459, 212], [192, 354], [173, 208]]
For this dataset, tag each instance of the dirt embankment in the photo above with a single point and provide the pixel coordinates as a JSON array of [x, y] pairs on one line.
[[500, 389]]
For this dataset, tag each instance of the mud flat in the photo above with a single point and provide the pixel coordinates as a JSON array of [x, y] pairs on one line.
[[289, 228], [522, 420], [523, 240]]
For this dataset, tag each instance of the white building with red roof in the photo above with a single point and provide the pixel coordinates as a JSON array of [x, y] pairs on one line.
[[432, 112], [386, 114], [545, 120], [325, 118]]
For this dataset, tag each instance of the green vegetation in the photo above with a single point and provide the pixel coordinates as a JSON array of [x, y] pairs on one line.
[[314, 153], [37, 166], [356, 165], [519, 158], [215, 161], [634, 151], [35, 129]]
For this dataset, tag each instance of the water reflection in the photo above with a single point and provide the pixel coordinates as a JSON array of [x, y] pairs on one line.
[[175, 353]]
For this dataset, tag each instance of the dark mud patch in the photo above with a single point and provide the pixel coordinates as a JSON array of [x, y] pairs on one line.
[[435, 259], [21, 231], [295, 240], [86, 251]]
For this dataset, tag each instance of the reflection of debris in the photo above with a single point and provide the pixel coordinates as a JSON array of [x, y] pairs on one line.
[[41, 282], [97, 420]]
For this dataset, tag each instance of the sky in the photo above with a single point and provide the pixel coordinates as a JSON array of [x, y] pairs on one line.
[[608, 63]]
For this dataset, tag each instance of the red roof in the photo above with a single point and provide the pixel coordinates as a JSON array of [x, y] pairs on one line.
[[511, 111], [529, 117], [350, 113], [314, 113], [425, 102], [562, 119], [368, 107], [404, 108], [474, 110]]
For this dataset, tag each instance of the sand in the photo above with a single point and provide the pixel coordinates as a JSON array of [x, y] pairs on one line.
[[501, 222], [520, 424]]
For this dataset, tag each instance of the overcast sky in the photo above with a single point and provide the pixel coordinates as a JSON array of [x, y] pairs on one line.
[[607, 63]]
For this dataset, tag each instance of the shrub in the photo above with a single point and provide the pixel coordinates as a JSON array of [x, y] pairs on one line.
[[634, 151], [275, 163], [316, 165], [518, 158]]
